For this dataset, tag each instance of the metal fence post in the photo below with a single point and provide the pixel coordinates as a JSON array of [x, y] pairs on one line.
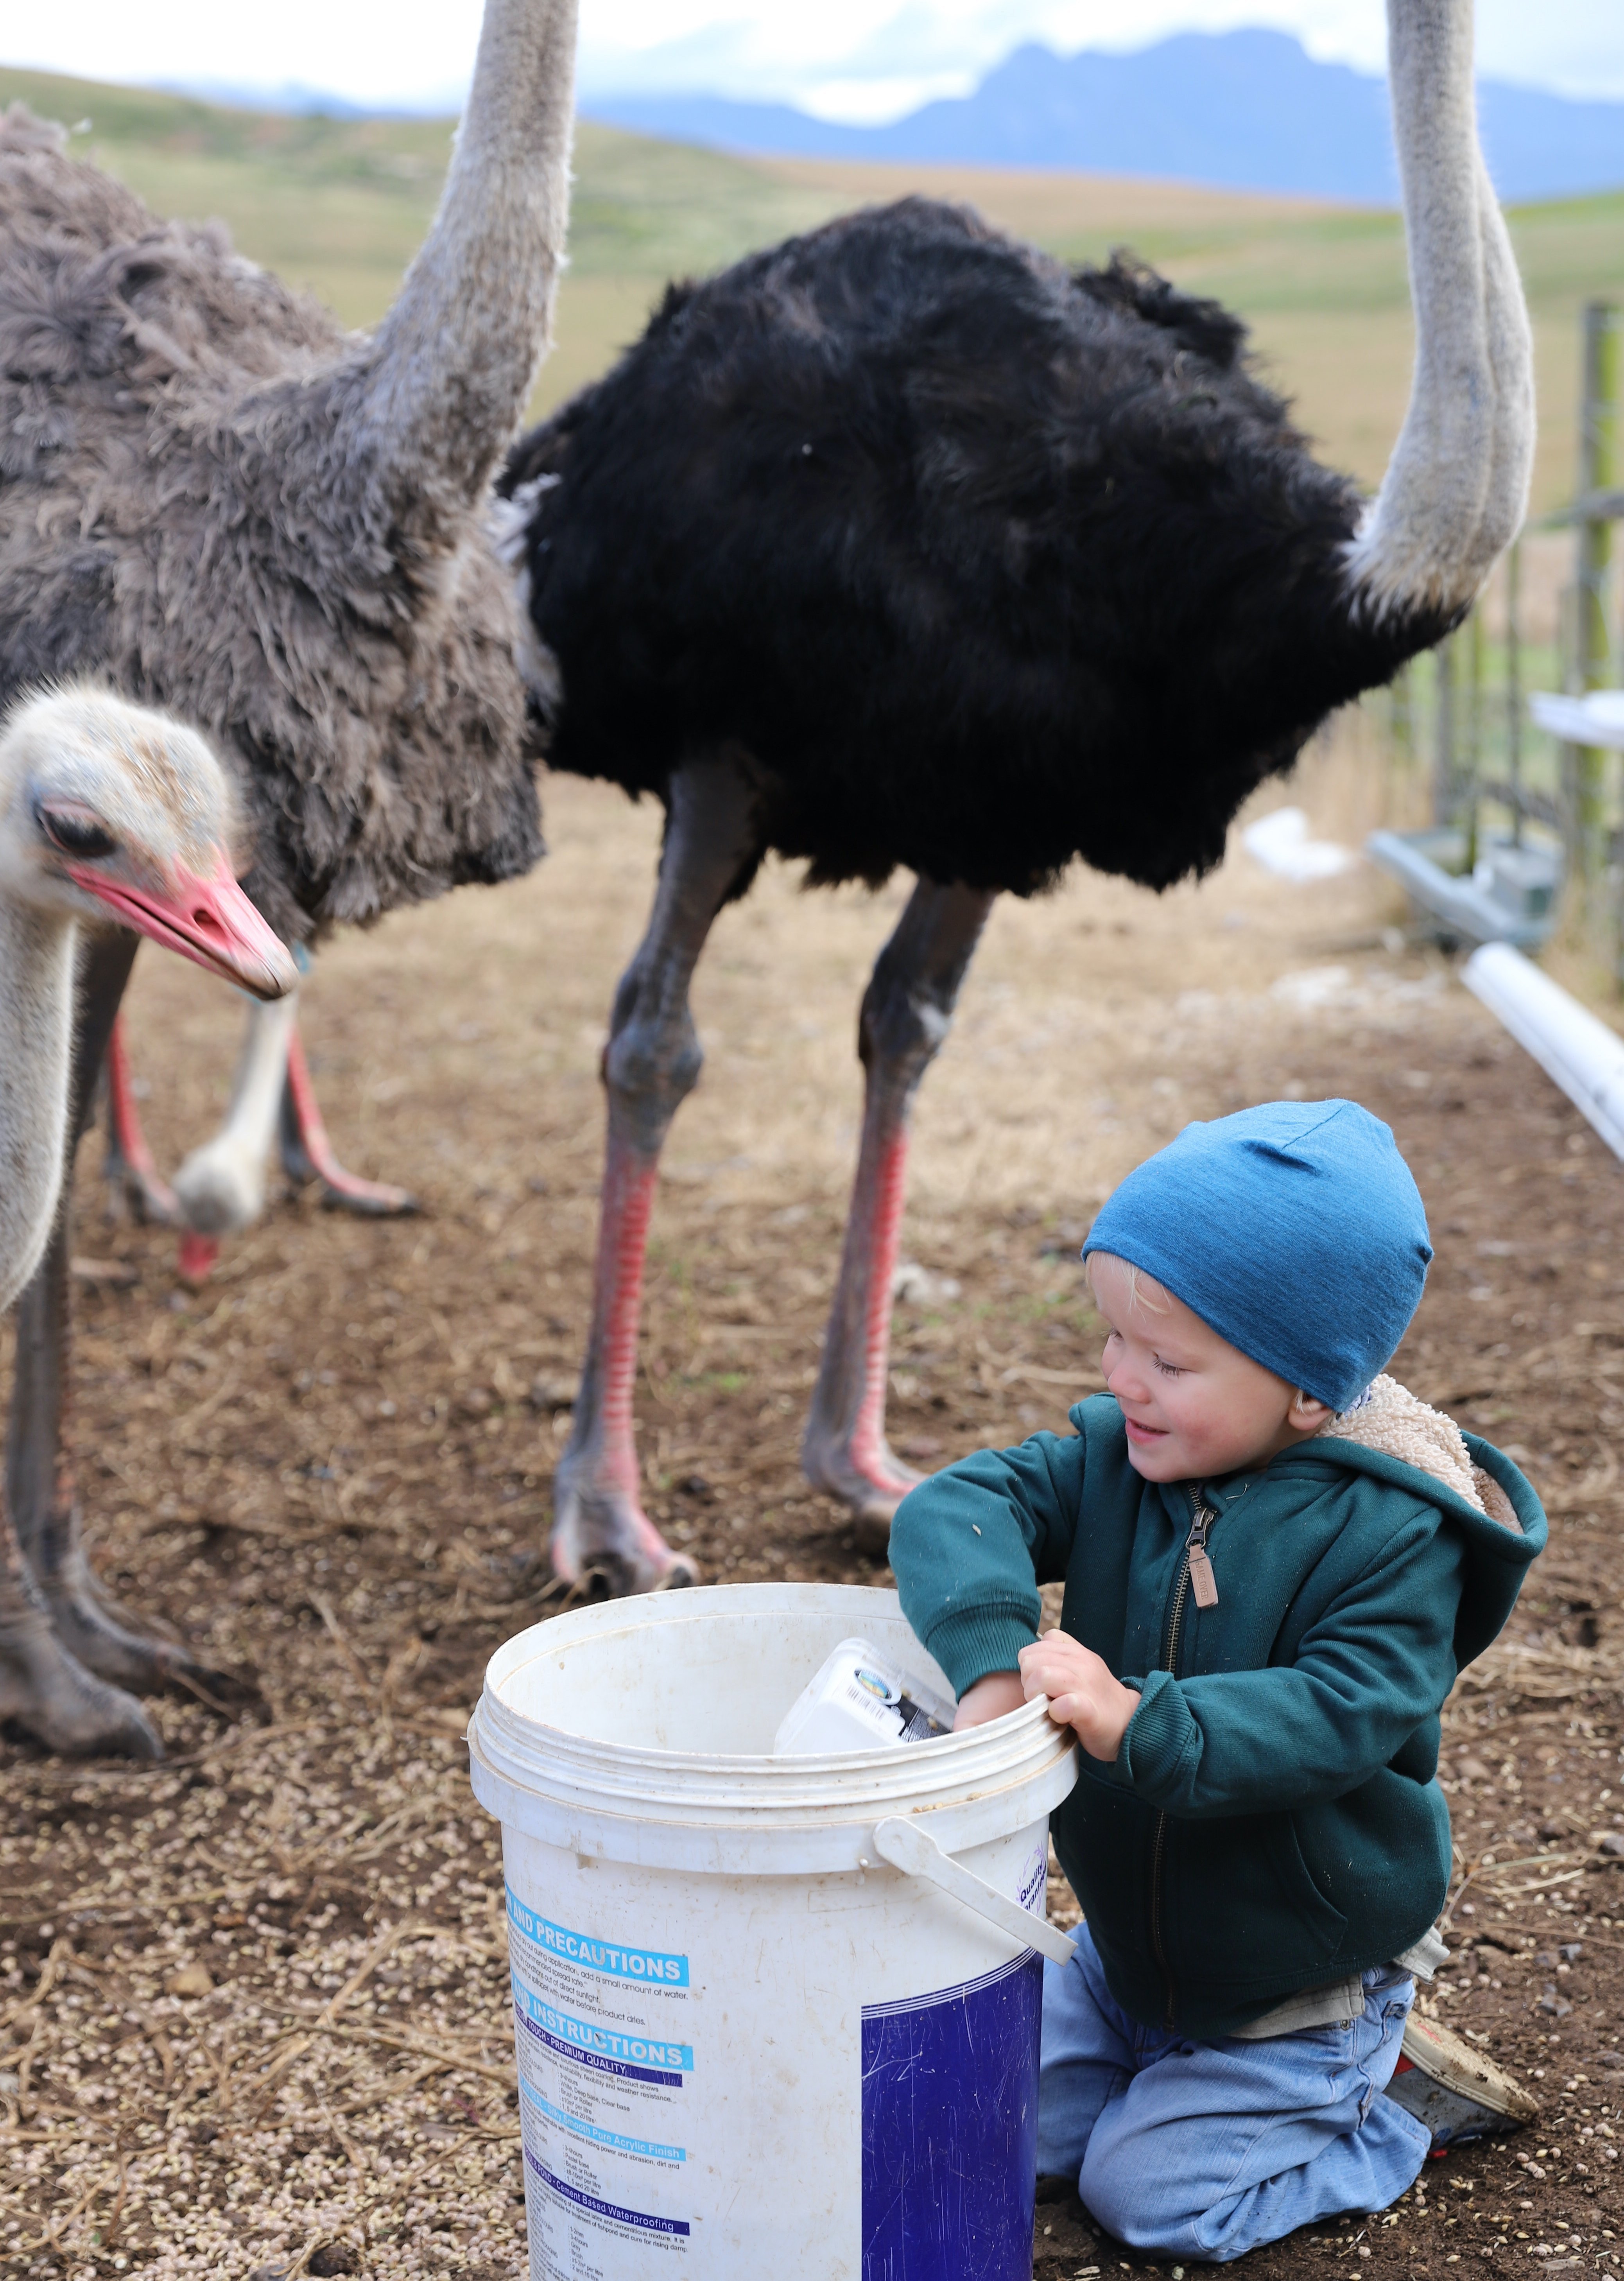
[[1443, 732], [1598, 470], [1514, 686], [1472, 633]]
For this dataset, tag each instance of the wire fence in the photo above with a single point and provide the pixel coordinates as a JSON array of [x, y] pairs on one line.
[[1457, 719]]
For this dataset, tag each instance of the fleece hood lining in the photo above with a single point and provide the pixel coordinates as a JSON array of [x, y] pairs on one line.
[[1389, 1419]]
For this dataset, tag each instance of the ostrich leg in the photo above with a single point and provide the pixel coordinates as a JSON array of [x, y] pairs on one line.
[[307, 1153], [38, 1481], [129, 1165], [906, 1008], [44, 1688], [651, 1063]]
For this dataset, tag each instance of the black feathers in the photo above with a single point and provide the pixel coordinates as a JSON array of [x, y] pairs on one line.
[[1205, 327], [986, 566]]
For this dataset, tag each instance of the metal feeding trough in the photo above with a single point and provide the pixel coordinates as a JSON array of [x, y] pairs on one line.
[[1510, 895]]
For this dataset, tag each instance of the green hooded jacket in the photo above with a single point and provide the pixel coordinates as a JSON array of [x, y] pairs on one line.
[[1272, 1820]]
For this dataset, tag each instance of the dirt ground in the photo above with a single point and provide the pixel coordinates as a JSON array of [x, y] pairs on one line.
[[252, 2008]]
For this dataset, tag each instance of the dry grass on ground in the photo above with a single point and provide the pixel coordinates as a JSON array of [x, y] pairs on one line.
[[252, 2017]]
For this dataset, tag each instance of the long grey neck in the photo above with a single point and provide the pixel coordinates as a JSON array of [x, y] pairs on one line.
[[448, 375], [36, 1034], [1456, 489]]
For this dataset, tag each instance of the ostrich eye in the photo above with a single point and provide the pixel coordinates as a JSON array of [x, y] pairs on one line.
[[76, 831]]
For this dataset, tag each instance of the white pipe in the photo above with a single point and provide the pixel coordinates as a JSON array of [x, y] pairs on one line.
[[1596, 718], [1575, 1050]]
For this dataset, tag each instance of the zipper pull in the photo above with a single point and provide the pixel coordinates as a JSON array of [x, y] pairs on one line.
[[1203, 1583]]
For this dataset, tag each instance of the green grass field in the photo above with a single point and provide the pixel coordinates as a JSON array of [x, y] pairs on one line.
[[338, 206]]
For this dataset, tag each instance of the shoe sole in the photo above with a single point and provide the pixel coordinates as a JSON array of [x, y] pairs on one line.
[[1455, 2090]]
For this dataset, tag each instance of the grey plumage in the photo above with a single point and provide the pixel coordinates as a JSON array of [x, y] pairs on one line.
[[218, 503], [197, 504]]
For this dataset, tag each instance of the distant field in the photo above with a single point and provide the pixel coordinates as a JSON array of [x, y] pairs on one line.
[[338, 206]]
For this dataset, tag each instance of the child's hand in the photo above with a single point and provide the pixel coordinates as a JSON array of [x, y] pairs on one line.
[[1081, 1692], [989, 1699]]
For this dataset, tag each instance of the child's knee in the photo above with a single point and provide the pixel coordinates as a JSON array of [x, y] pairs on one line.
[[1134, 2182]]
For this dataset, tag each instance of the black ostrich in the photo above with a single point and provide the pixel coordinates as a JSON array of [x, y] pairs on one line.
[[901, 544]]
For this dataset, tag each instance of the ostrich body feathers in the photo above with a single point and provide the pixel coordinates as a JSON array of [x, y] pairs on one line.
[[185, 514], [984, 565]]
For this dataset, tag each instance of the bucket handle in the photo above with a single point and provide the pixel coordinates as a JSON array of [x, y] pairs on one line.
[[902, 1842]]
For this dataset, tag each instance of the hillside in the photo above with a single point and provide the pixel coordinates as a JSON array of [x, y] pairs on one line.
[[339, 205], [1247, 109]]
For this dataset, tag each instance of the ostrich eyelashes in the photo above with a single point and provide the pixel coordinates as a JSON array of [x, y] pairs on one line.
[[75, 830]]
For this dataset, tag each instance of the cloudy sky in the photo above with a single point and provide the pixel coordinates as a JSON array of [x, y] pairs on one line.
[[865, 60]]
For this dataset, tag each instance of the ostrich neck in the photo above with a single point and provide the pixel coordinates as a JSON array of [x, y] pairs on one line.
[[36, 1030], [446, 379], [1457, 486]]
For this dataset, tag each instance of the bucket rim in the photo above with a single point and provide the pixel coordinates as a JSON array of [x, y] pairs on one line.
[[728, 1788]]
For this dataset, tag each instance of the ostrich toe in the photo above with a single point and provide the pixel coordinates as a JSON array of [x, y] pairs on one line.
[[871, 1488], [98, 1634], [45, 1689], [606, 1533], [307, 1153]]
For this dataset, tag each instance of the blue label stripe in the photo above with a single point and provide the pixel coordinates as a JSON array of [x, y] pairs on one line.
[[640, 2218], [602, 2138], [654, 1967], [616, 2068], [603, 2043]]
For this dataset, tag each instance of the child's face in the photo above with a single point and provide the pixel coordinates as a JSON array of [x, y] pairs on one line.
[[1194, 1407]]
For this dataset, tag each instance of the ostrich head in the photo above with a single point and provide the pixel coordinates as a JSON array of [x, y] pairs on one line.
[[112, 814]]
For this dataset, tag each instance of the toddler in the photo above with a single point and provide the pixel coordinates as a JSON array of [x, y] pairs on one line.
[[1276, 1561]]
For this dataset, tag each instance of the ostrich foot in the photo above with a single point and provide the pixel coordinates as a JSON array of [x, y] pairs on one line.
[[127, 1165], [606, 1533], [45, 1691], [871, 1482], [307, 1154], [96, 1633]]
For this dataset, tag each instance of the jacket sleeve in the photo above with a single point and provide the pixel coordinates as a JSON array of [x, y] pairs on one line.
[[1366, 1673], [970, 1545]]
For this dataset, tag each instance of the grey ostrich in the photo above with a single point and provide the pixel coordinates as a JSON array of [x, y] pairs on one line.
[[221, 503], [111, 816], [900, 544]]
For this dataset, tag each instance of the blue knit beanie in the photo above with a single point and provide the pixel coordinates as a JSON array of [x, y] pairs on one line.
[[1293, 1230]]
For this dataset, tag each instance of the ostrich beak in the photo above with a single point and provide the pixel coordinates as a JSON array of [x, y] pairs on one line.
[[209, 921]]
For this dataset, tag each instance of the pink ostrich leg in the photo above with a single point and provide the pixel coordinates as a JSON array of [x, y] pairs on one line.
[[879, 1196], [630, 1179], [649, 1065], [907, 1010], [129, 1161], [307, 1153]]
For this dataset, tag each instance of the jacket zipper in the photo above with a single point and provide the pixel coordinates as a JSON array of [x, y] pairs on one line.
[[1195, 1552]]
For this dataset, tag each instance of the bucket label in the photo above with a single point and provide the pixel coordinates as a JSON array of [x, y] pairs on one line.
[[950, 2130], [652, 1966], [572, 2036], [606, 2053]]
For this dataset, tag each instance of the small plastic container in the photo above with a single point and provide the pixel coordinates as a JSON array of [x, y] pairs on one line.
[[860, 1699]]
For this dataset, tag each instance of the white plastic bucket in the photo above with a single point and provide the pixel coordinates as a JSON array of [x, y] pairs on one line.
[[750, 2048]]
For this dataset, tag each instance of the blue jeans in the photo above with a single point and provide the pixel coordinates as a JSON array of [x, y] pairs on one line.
[[1206, 2150]]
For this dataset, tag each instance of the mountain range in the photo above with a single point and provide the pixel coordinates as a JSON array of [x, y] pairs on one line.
[[1246, 110]]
